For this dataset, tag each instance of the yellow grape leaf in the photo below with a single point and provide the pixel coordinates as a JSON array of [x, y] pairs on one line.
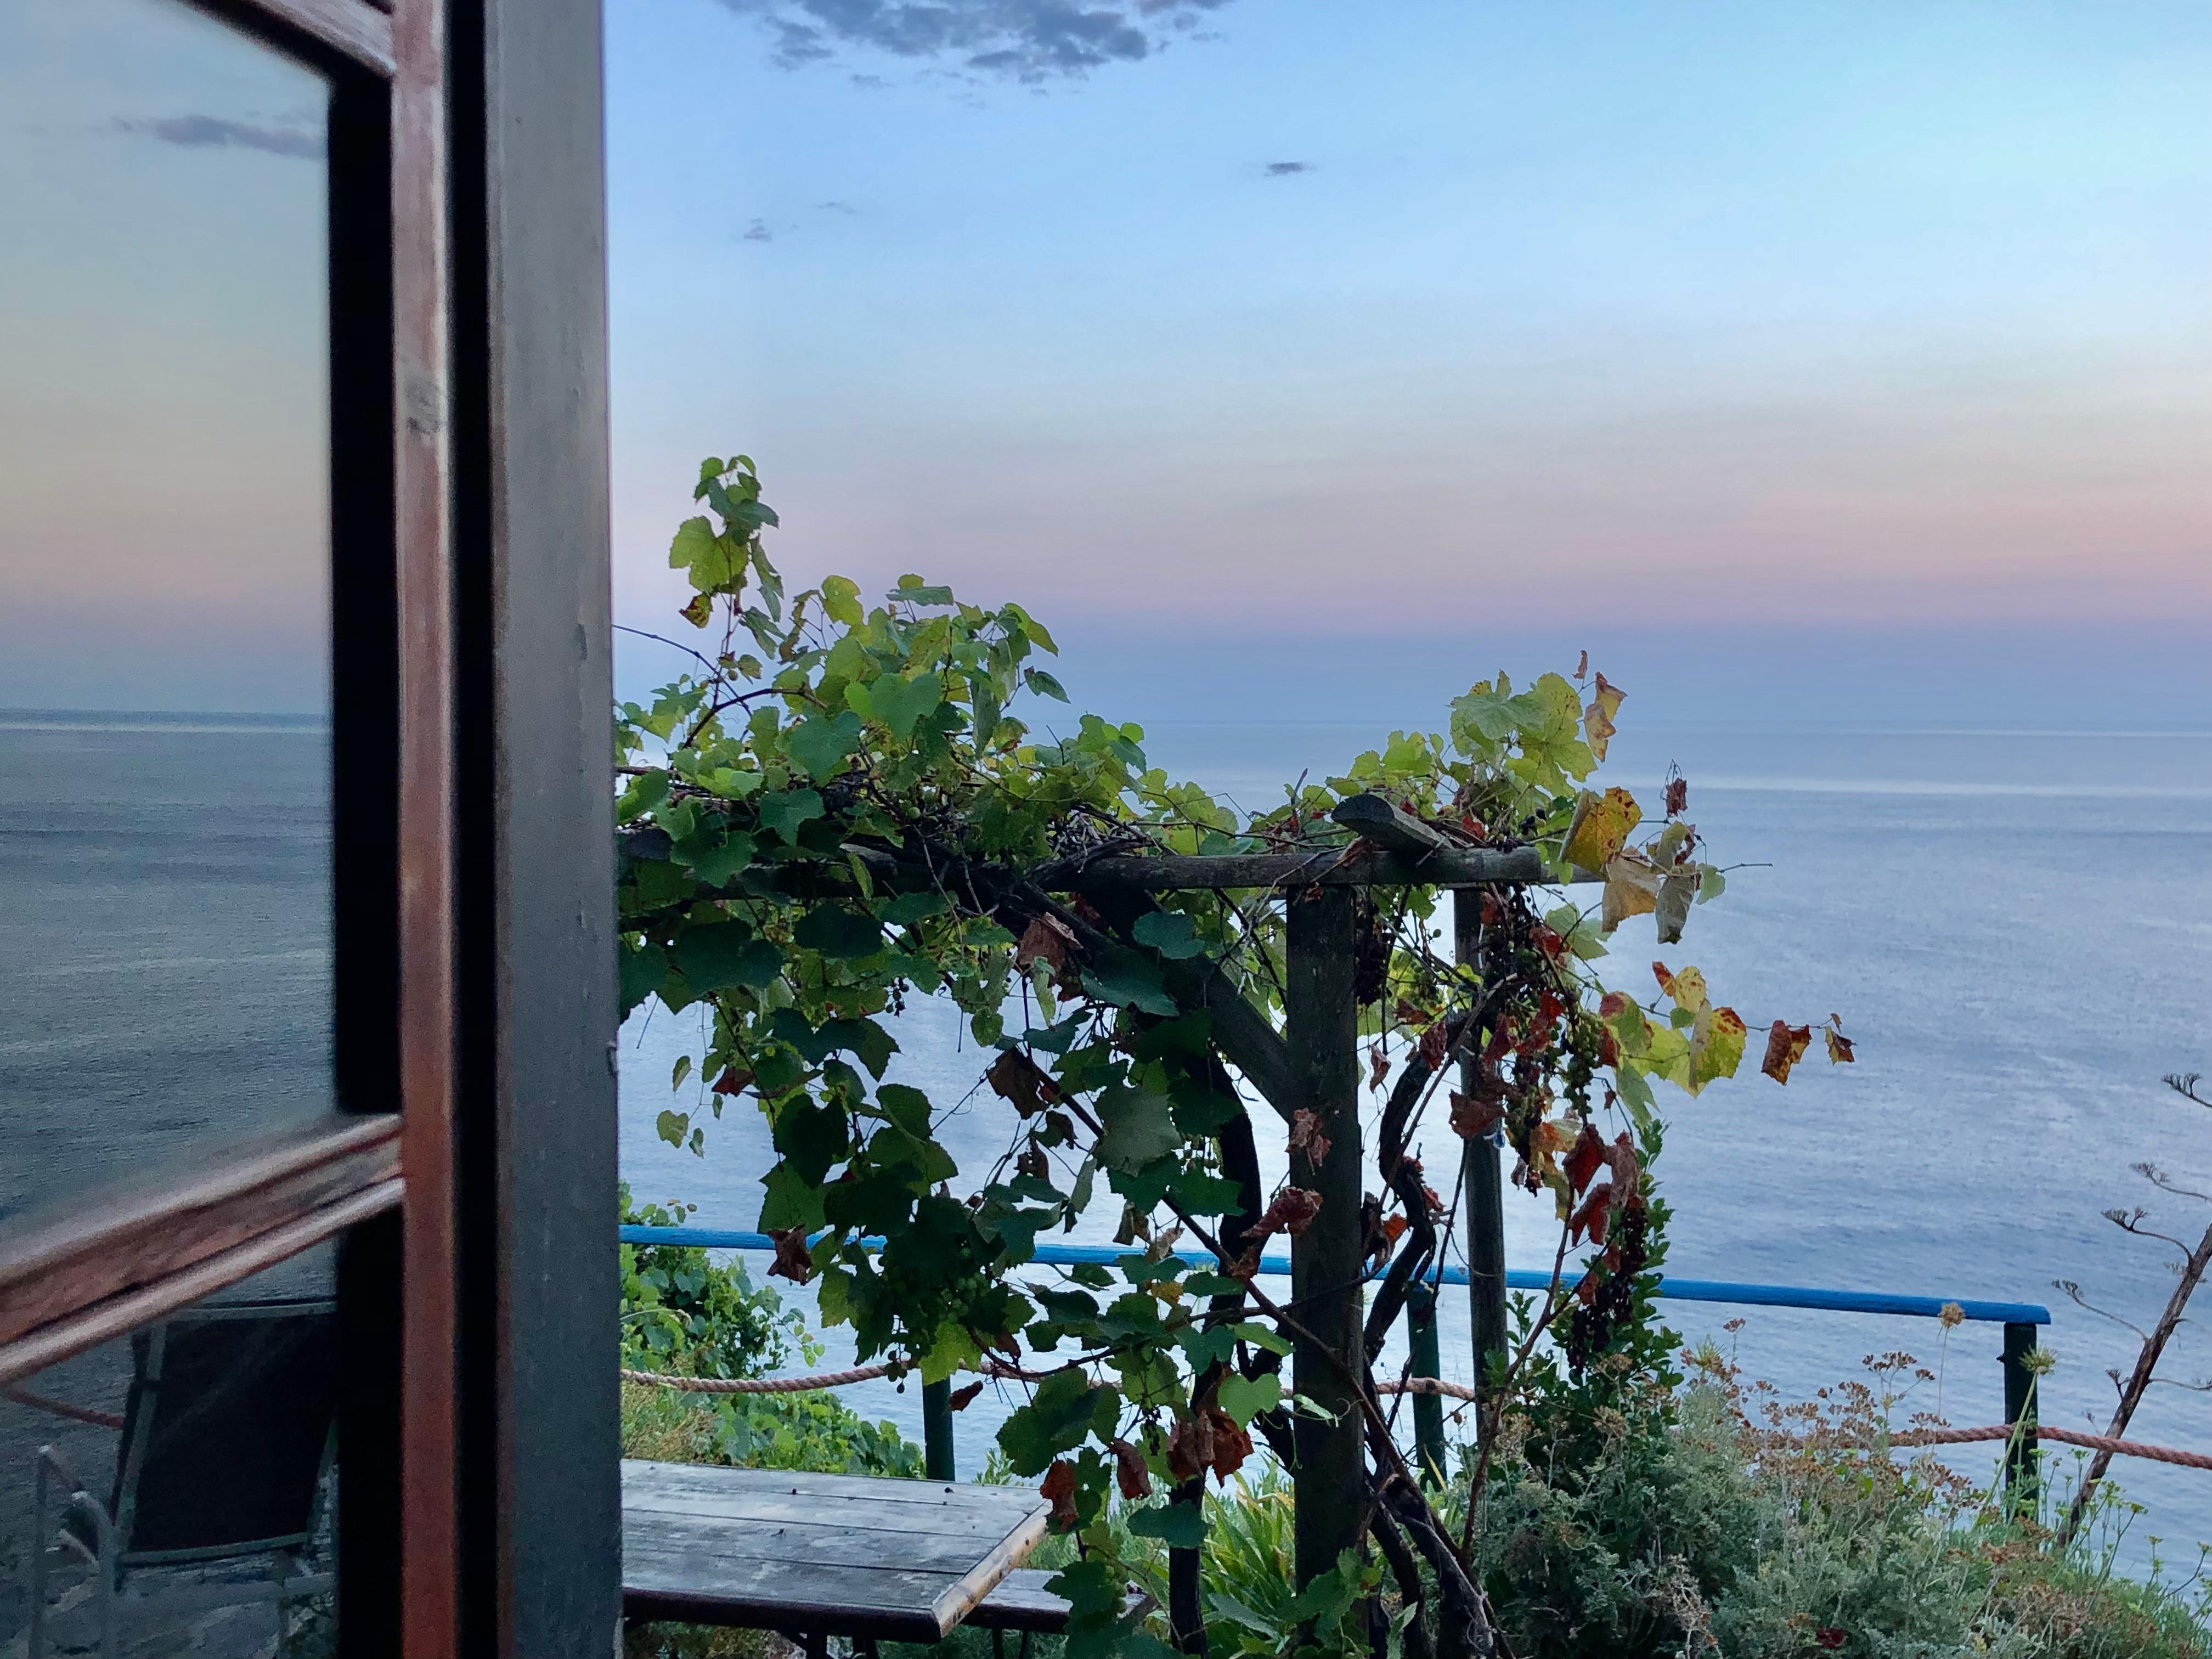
[[1600, 826], [1597, 719], [1687, 988], [1667, 1055], [1631, 889], [1717, 1043], [1631, 1032], [1839, 1046]]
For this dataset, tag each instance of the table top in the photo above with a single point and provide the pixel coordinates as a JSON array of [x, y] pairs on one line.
[[840, 1554]]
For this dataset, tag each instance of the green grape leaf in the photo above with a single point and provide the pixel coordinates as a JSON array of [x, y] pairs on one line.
[[1057, 1418], [1245, 1397], [642, 974], [1168, 932], [1137, 1126], [821, 744], [792, 1201], [812, 1137], [1179, 1526], [1128, 980], [784, 811], [899, 702], [841, 600], [716, 955]]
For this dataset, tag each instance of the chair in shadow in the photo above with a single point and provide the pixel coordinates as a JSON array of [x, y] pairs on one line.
[[225, 1444]]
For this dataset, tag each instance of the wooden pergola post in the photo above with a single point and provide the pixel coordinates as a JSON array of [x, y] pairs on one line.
[[1486, 1197], [1321, 1029]]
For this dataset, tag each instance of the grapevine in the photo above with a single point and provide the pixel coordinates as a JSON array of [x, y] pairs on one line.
[[849, 806]]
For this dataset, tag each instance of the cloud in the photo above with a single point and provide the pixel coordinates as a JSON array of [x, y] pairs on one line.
[[845, 208], [1023, 41], [758, 232], [215, 132], [1284, 169]]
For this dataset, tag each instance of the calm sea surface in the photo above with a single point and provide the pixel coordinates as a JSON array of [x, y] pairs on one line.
[[2016, 927]]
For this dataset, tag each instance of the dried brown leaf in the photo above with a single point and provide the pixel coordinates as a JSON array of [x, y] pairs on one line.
[[1785, 1046], [1016, 1078], [1130, 1474], [1306, 1138], [791, 1260], [1058, 1491], [1047, 940]]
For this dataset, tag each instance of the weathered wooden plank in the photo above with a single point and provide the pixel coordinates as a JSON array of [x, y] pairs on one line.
[[1008, 1554], [1390, 826], [974, 1529], [847, 1578], [684, 1577], [645, 1481], [1021, 1602], [841, 1542], [1334, 867]]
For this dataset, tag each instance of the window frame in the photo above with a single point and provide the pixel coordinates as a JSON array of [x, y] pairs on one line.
[[470, 1168]]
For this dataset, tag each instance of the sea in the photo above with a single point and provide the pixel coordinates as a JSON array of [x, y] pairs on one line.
[[2013, 927]]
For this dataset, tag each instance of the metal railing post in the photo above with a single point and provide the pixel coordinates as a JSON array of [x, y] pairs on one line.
[[937, 1430], [2021, 1460], [1428, 1409]]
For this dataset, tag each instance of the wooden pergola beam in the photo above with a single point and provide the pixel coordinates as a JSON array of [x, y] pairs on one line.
[[1358, 864]]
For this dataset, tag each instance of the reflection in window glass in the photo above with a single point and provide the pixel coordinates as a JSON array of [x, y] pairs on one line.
[[165, 930], [193, 1461]]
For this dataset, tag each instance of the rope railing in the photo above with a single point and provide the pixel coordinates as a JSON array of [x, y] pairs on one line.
[[1448, 1390], [990, 1367]]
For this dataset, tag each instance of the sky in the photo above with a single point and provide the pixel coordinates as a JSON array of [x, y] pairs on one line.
[[1833, 362], [1808, 361], [164, 406]]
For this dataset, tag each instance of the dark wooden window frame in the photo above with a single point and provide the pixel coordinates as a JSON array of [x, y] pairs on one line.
[[470, 1168]]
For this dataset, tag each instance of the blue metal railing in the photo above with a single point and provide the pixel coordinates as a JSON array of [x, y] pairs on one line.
[[1518, 1279], [2020, 1320]]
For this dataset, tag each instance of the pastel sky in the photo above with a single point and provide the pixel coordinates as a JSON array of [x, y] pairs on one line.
[[164, 502], [1873, 334], [1816, 360]]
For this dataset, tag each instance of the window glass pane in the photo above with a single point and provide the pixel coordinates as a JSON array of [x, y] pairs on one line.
[[165, 918], [197, 1455]]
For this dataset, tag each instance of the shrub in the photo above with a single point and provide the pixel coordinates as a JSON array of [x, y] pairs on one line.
[[682, 1312]]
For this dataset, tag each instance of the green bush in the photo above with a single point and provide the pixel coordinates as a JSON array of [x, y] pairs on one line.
[[681, 1312], [1698, 1530]]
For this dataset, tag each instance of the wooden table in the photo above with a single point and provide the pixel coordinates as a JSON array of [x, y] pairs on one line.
[[817, 1555]]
